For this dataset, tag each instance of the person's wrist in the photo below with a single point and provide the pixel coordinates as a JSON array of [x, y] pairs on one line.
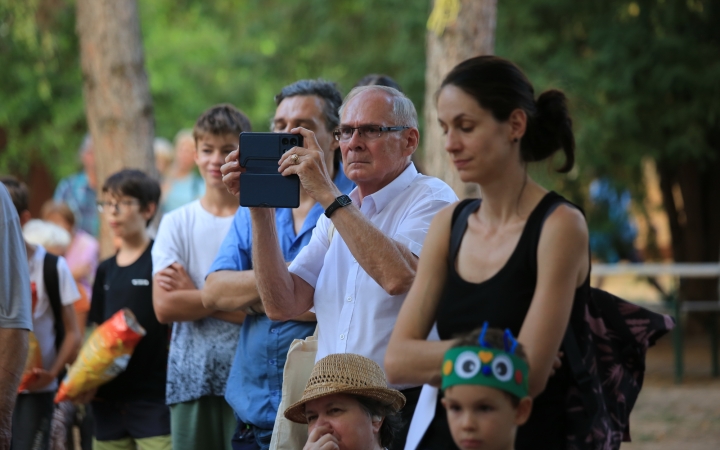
[[262, 212], [329, 198]]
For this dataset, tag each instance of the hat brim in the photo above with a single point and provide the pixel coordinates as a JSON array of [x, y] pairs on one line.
[[390, 397]]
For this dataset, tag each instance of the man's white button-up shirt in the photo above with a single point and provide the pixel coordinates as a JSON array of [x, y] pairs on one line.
[[355, 314]]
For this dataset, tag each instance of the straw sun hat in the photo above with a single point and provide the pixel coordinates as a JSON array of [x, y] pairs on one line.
[[346, 373]]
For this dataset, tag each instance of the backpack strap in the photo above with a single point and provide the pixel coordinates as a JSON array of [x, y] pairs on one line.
[[458, 225], [52, 287], [576, 362]]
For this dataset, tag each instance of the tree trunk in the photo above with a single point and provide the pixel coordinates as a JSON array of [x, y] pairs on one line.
[[690, 196], [471, 34], [116, 91]]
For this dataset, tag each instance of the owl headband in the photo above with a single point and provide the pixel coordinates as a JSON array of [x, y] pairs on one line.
[[484, 366]]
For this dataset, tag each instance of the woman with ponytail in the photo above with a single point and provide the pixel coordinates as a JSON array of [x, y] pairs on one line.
[[517, 259]]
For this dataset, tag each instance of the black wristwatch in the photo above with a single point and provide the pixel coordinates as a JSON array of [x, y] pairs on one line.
[[339, 202]]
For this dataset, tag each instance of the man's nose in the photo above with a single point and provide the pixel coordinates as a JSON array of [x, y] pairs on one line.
[[355, 140]]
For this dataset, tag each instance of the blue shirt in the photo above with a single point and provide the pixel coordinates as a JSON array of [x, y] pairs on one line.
[[76, 192], [254, 387]]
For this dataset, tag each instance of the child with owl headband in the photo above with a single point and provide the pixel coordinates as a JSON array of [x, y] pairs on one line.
[[485, 385]]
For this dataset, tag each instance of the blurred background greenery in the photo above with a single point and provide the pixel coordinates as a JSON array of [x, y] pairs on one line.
[[643, 78]]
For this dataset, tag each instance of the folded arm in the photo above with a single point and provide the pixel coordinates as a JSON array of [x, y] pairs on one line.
[[231, 290], [175, 299]]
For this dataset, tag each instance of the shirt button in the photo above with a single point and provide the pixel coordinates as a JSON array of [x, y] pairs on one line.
[[273, 330], [271, 362], [349, 299], [342, 337]]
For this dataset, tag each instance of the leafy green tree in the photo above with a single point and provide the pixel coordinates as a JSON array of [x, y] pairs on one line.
[[197, 54], [643, 82], [41, 106]]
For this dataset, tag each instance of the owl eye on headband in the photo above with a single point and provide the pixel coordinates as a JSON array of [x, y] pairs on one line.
[[484, 366]]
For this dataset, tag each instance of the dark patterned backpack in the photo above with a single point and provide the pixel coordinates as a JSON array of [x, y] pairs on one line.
[[609, 372]]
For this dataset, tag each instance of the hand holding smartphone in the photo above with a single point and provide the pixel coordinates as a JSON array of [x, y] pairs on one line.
[[261, 185]]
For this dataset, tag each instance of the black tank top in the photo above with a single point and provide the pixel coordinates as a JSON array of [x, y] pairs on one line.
[[503, 301]]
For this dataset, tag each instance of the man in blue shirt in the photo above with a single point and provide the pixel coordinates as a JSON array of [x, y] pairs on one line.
[[254, 387], [78, 191]]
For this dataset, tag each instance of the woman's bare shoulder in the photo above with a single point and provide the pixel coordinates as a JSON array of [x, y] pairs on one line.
[[565, 223]]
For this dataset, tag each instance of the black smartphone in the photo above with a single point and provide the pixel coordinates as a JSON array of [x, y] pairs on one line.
[[262, 185]]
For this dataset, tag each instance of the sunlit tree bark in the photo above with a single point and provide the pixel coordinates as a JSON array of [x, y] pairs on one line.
[[115, 87], [469, 30]]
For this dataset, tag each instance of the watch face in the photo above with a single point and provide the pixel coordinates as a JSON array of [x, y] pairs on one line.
[[344, 200]]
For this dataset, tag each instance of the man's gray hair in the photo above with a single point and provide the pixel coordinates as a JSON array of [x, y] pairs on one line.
[[326, 90], [404, 111]]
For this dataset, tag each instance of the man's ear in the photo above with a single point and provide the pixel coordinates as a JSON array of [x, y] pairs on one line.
[[25, 217], [412, 141], [522, 413]]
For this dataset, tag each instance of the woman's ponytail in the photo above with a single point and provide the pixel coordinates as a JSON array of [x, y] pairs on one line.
[[549, 130]]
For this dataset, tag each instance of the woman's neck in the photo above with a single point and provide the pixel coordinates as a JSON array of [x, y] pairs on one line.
[[508, 196]]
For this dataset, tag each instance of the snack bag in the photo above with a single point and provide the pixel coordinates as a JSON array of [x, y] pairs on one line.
[[34, 358], [104, 356]]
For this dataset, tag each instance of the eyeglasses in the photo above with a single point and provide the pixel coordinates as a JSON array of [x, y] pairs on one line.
[[116, 206], [344, 134]]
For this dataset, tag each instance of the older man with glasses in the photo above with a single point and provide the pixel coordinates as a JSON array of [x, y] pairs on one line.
[[362, 258]]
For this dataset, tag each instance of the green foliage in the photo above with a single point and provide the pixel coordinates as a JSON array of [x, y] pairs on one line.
[[197, 54], [41, 108], [202, 53], [642, 76]]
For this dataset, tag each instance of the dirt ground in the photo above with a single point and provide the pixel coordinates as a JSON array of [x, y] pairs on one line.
[[677, 416]]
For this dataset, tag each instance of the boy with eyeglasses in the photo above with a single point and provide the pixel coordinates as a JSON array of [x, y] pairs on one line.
[[130, 411]]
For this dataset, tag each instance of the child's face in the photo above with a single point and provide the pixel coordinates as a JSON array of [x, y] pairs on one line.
[[481, 417], [59, 220], [124, 215], [210, 156]]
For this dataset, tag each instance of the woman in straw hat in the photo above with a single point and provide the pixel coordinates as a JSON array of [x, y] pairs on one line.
[[347, 405]]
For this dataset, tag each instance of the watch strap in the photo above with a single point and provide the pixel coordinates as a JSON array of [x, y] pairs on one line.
[[339, 202]]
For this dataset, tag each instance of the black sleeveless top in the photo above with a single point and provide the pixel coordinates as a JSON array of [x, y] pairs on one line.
[[503, 301]]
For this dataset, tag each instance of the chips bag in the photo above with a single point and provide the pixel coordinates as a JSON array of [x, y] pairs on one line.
[[104, 355], [34, 358]]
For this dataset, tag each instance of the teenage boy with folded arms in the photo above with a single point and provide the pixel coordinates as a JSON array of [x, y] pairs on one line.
[[203, 341]]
